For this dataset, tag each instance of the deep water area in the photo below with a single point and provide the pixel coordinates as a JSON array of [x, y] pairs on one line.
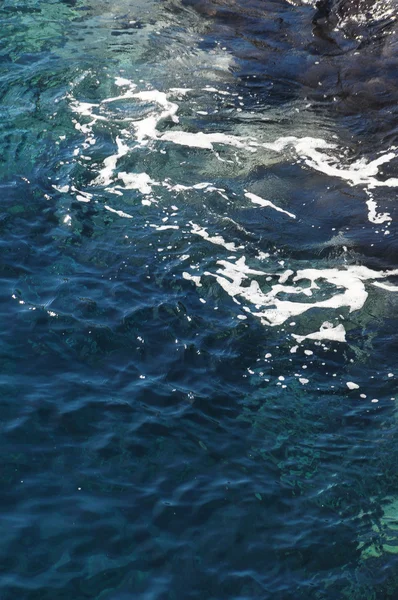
[[199, 300]]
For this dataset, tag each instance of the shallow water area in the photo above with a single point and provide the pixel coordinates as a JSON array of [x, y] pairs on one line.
[[200, 277]]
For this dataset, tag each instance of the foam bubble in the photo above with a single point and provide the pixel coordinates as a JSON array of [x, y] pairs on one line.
[[352, 386]]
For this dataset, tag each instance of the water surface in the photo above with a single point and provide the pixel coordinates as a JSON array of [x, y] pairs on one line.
[[199, 302]]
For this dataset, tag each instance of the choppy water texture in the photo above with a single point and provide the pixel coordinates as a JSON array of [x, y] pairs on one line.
[[199, 300]]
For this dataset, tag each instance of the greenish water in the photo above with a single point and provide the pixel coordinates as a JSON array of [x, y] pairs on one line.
[[199, 302]]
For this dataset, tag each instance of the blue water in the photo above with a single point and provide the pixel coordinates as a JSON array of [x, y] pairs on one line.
[[199, 301]]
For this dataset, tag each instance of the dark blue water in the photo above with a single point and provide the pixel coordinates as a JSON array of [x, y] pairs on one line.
[[199, 305]]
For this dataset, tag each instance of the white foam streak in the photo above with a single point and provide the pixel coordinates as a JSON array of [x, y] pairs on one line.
[[262, 202], [105, 176], [205, 141], [118, 212], [164, 227], [385, 286], [82, 196], [215, 239], [216, 91], [361, 172], [205, 186], [184, 188]]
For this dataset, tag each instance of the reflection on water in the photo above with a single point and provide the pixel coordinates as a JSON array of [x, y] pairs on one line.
[[198, 393]]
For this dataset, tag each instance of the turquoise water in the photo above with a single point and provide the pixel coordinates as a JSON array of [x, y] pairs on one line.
[[199, 302]]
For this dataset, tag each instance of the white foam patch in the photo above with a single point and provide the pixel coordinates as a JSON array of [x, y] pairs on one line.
[[373, 215], [262, 202], [326, 332], [63, 189], [180, 91], [146, 129], [148, 201], [85, 109], [121, 81], [195, 278], [316, 153], [138, 181], [272, 310]]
